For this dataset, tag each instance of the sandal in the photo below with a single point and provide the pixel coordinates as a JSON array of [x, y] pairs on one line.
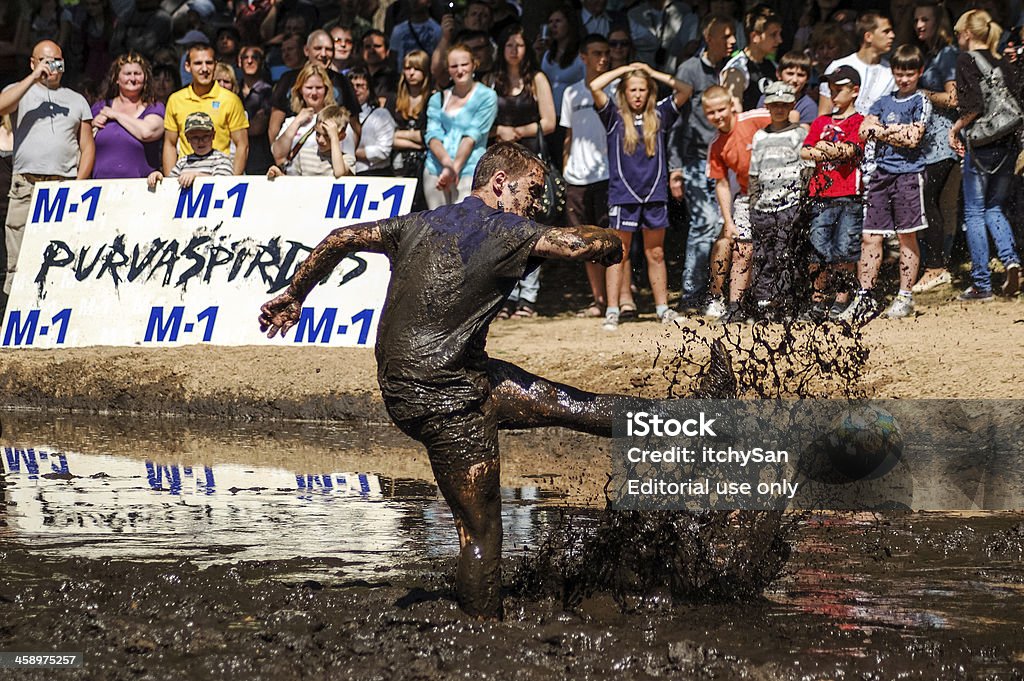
[[592, 311], [627, 311], [506, 311], [525, 311]]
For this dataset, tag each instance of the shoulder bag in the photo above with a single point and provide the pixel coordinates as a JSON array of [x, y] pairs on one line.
[[553, 201], [1003, 115]]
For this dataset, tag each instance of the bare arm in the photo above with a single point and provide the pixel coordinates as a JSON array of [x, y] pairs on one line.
[[735, 81], [466, 145], [282, 313], [566, 147], [170, 150], [947, 98], [274, 124], [408, 139], [87, 148], [148, 129], [598, 85], [723, 192], [824, 150], [9, 98], [586, 242], [241, 139]]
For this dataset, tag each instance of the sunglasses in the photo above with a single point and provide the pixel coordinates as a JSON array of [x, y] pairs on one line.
[[343, 41], [619, 43]]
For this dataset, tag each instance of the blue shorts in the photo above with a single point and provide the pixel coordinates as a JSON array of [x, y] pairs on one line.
[[632, 217], [836, 227], [895, 203]]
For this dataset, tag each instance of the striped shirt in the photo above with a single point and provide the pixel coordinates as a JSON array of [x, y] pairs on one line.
[[214, 163]]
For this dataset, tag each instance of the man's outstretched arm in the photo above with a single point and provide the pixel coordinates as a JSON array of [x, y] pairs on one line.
[[282, 313], [598, 245]]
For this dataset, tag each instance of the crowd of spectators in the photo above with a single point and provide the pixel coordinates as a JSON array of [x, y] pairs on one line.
[[419, 88]]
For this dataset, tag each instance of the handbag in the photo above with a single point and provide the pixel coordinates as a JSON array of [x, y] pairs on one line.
[[1003, 115], [553, 201]]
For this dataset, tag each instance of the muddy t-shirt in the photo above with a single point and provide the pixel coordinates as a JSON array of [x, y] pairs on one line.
[[451, 270]]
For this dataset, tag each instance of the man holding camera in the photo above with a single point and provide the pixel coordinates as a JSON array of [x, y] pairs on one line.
[[52, 141]]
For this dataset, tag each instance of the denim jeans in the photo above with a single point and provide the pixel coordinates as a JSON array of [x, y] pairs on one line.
[[527, 289], [705, 225], [984, 197]]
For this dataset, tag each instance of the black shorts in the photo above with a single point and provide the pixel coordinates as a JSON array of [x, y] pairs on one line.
[[455, 440]]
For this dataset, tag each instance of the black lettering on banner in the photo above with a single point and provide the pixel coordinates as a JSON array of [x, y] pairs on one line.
[[168, 263]]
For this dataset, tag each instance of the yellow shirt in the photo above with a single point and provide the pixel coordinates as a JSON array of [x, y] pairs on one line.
[[223, 106]]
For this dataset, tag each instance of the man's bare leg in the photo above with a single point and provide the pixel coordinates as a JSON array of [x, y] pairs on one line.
[[524, 400], [463, 451]]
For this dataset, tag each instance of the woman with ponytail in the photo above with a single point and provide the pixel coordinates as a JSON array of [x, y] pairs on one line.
[[988, 169]]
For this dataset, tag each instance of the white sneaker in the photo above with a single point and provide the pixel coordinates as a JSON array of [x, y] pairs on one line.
[[715, 308], [943, 279], [668, 316], [861, 310], [611, 321], [902, 306]]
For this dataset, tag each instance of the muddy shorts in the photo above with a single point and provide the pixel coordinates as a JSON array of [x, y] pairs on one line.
[[455, 441], [836, 225], [632, 217]]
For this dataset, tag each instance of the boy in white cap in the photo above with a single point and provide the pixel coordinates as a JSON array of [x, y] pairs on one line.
[[776, 190]]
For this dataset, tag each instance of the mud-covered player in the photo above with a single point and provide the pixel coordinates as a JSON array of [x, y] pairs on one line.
[[452, 270]]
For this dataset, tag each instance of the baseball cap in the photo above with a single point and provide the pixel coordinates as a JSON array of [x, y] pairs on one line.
[[844, 75], [198, 121], [779, 92], [192, 37]]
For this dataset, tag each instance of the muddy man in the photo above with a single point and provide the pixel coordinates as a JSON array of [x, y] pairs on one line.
[[452, 271]]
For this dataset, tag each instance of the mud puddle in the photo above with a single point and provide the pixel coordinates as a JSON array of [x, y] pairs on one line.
[[174, 549]]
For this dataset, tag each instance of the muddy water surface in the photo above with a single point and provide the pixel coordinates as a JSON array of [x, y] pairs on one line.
[[173, 549]]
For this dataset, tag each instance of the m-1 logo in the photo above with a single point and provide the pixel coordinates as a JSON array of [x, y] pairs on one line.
[[198, 201], [347, 201], [166, 329], [23, 330], [52, 203]]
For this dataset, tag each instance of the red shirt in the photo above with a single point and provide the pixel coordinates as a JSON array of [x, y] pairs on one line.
[[836, 178], [731, 150]]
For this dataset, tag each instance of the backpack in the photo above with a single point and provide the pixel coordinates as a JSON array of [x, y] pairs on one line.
[[1003, 114]]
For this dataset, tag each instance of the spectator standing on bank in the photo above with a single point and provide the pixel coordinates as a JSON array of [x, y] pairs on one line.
[[586, 169], [661, 29], [128, 122], [894, 193], [934, 37], [987, 170], [203, 161], [330, 160], [373, 153], [418, 32], [637, 128], [205, 95], [526, 108], [620, 47], [86, 30], [561, 59], [52, 141], [876, 37], [459, 119], [310, 94], [376, 58], [747, 74], [145, 28], [795, 70], [409, 111], [344, 49], [257, 96], [689, 141], [319, 49], [837, 212]]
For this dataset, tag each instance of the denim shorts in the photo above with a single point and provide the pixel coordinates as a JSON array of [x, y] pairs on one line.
[[836, 227]]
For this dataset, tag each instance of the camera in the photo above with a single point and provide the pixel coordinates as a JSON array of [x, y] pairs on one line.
[[56, 65]]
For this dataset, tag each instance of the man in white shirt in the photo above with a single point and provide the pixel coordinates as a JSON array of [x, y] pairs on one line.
[[876, 79], [585, 157]]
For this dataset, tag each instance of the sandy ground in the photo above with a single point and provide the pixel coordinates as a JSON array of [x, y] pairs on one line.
[[948, 350]]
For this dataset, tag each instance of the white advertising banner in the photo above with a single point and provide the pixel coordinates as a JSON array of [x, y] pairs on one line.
[[112, 263]]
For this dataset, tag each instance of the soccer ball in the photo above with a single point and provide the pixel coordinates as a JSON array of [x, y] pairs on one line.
[[863, 443]]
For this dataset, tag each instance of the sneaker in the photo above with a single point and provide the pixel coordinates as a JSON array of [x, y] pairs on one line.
[[715, 308], [938, 280], [1012, 284], [816, 313], [611, 321], [668, 316], [836, 310], [734, 314], [902, 306], [861, 310], [975, 295]]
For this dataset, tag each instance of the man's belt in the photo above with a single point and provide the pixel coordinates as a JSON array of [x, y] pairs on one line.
[[32, 178]]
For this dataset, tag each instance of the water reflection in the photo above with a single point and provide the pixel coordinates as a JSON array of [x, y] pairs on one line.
[[99, 505]]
